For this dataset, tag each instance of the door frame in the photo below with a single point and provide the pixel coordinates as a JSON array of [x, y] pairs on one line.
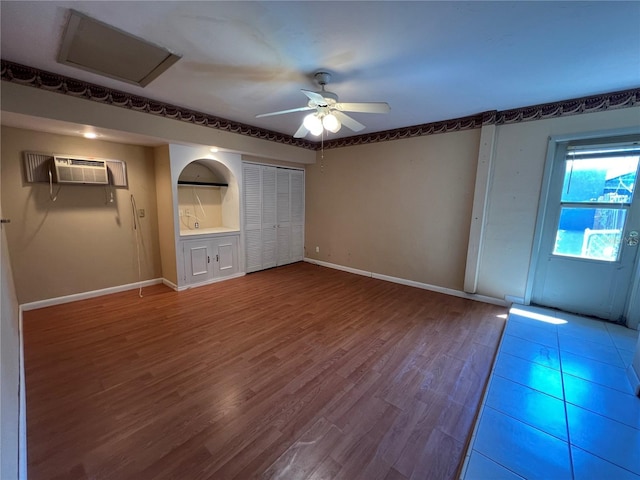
[[632, 308]]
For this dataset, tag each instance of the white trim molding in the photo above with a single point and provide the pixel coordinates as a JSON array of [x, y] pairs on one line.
[[25, 307], [22, 406], [411, 283], [171, 285], [484, 180], [209, 282]]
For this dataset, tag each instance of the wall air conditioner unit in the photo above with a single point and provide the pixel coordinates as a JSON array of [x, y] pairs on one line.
[[80, 171]]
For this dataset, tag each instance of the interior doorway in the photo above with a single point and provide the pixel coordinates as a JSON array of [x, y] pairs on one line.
[[588, 227]]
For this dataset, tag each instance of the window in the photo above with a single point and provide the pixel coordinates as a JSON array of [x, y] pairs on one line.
[[597, 192]]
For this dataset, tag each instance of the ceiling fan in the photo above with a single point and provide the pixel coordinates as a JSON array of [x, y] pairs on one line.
[[329, 113]]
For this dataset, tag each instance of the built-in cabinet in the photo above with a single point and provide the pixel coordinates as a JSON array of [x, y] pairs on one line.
[[210, 257], [273, 215]]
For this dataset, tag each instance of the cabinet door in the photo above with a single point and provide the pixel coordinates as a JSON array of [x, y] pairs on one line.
[[197, 261], [226, 256], [252, 197]]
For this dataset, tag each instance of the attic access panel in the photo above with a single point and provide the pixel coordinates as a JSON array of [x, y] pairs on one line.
[[100, 48]]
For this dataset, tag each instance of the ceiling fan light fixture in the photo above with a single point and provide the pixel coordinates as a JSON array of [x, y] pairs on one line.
[[313, 124], [331, 123]]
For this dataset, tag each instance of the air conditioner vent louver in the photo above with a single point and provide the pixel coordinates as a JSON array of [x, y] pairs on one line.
[[80, 170], [41, 167]]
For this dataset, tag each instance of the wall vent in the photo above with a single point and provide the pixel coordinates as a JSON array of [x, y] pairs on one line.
[[72, 169], [80, 170]]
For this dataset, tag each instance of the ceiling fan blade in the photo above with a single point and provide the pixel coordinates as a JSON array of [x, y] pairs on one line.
[[301, 109], [347, 121], [365, 107], [301, 132], [315, 97]]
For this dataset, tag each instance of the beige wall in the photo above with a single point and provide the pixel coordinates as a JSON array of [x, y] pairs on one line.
[[403, 208], [516, 180], [42, 103], [166, 215], [80, 242], [399, 208], [200, 204]]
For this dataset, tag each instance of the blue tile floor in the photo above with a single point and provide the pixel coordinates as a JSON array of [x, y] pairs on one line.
[[559, 404]]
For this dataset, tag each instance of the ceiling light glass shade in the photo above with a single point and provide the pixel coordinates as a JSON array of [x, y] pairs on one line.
[[331, 123], [313, 124]]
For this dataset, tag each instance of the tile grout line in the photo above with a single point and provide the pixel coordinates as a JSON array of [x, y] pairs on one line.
[[564, 400]]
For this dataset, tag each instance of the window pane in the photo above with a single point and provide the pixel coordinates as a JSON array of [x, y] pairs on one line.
[[603, 179], [593, 233]]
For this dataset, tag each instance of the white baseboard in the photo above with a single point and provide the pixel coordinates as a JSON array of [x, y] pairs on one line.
[[338, 267], [22, 406], [85, 295], [634, 379], [412, 283], [511, 299], [209, 282], [171, 285]]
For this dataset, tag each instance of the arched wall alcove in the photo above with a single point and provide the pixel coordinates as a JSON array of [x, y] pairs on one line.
[[207, 196], [196, 164]]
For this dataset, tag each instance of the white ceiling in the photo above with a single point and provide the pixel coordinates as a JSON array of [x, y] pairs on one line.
[[430, 61]]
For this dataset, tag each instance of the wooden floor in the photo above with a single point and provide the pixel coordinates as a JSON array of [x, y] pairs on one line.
[[299, 372]]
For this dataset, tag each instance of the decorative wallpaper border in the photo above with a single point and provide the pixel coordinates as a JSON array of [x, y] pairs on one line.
[[593, 103], [455, 125], [33, 77]]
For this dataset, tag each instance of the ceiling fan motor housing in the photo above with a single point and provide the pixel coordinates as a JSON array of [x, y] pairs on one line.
[[323, 78], [330, 98]]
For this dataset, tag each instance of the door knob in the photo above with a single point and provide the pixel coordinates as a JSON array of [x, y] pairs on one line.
[[633, 239]]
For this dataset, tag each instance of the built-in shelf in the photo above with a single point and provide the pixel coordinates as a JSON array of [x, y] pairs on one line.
[[202, 184]]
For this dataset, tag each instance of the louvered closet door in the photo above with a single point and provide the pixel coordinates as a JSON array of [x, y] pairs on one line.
[[297, 215], [283, 216], [269, 217], [252, 196], [273, 216]]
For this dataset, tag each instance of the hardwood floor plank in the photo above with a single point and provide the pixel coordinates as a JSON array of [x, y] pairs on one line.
[[298, 370]]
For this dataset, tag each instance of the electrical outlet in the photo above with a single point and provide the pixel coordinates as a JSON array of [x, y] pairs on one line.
[[317, 249], [141, 212]]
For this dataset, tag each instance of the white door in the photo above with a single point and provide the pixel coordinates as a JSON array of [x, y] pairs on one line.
[[13, 451], [590, 223], [297, 215], [269, 217], [252, 201], [283, 214], [273, 216]]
